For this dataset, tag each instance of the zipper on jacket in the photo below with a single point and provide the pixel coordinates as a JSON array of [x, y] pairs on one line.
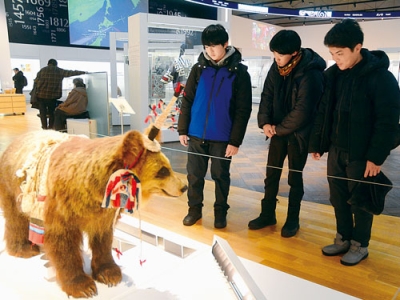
[[209, 105], [219, 87]]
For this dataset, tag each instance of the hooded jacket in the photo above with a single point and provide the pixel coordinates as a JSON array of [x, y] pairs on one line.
[[374, 110], [290, 102], [217, 100], [76, 102]]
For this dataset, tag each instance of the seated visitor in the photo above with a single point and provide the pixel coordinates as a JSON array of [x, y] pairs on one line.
[[75, 104]]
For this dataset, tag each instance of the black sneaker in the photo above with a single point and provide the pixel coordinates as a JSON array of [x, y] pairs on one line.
[[262, 222], [220, 219], [192, 217]]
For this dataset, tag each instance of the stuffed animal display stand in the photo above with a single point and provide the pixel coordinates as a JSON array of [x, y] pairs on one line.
[[55, 188]]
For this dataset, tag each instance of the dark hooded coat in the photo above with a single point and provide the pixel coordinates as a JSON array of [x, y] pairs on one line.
[[373, 110]]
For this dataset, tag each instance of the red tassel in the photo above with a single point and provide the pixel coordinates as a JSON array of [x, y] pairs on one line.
[[119, 253]]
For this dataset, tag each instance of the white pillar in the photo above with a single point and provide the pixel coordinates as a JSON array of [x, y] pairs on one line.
[[5, 60]]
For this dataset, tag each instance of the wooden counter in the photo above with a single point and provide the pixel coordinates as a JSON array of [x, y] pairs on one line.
[[12, 104]]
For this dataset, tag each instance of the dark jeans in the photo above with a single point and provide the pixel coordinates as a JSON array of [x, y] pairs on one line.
[[197, 165], [47, 107], [351, 222], [18, 90], [60, 119], [280, 147]]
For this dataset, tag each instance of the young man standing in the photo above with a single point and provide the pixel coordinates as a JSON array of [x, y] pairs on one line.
[[292, 89], [215, 110], [356, 124]]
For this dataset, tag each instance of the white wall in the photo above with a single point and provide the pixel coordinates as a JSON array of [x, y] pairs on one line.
[[44, 53], [5, 63], [377, 35], [240, 34]]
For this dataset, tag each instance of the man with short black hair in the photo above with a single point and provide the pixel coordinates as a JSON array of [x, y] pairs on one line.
[[356, 124], [19, 81], [292, 89], [215, 110]]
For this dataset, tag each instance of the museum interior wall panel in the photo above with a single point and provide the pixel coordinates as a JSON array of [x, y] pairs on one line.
[[4, 48], [98, 105], [377, 35]]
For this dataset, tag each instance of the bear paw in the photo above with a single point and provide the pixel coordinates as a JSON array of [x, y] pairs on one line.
[[81, 286], [109, 274], [26, 250]]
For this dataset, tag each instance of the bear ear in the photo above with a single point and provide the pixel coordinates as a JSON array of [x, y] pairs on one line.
[[132, 147]]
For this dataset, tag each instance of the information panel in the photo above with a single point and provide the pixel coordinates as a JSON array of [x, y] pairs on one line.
[[42, 22]]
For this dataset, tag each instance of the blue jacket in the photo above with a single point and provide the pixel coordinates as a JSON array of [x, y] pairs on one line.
[[217, 100]]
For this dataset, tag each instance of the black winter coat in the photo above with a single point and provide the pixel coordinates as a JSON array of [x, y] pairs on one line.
[[18, 79], [303, 87], [374, 111]]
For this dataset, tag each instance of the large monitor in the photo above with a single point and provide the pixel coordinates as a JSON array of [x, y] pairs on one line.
[[78, 23]]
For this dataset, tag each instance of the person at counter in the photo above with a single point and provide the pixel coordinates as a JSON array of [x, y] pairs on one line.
[[75, 104], [49, 89]]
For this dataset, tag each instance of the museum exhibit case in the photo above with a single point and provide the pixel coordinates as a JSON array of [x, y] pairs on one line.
[[258, 68], [162, 50]]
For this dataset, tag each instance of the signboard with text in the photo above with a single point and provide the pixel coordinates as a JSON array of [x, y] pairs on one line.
[[42, 22]]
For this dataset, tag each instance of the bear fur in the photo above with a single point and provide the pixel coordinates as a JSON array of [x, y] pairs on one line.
[[77, 174]]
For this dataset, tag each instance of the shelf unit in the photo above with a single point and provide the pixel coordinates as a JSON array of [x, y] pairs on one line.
[[12, 104]]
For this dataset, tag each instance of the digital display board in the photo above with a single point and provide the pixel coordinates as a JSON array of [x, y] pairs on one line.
[[42, 22], [91, 21], [179, 8], [86, 23]]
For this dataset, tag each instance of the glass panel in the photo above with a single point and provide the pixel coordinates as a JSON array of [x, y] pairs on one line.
[[258, 68]]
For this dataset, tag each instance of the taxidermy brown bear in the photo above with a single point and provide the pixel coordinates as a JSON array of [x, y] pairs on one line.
[[55, 183]]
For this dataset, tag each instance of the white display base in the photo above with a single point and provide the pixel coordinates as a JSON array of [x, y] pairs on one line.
[[161, 276], [86, 127]]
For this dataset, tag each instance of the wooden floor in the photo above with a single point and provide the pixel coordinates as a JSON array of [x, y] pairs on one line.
[[377, 277]]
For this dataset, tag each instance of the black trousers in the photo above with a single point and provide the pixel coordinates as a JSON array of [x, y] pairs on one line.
[[60, 120], [197, 165], [351, 222], [280, 147], [47, 107]]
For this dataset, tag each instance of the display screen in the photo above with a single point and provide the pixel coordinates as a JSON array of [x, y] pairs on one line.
[[85, 23], [261, 35], [91, 21], [42, 22], [180, 8]]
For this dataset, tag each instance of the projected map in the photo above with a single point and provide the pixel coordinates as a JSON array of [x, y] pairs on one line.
[[91, 21]]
